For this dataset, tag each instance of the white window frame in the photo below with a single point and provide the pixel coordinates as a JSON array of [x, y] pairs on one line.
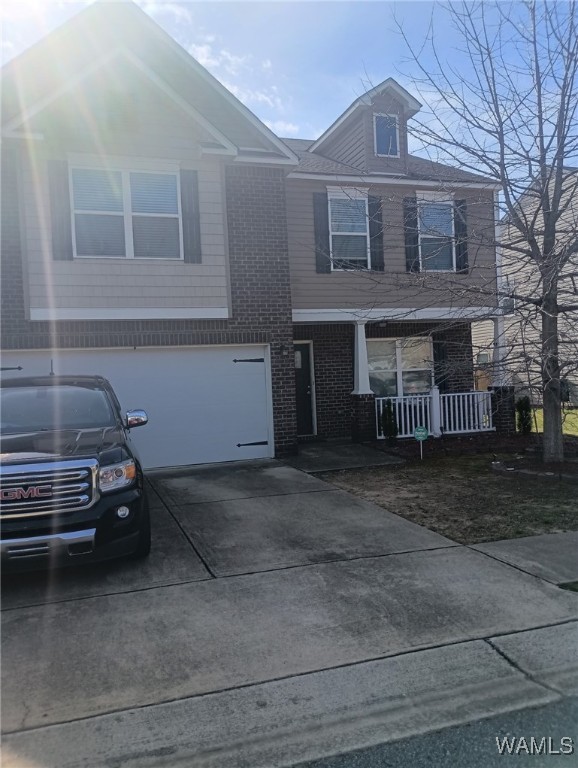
[[399, 370], [353, 193], [438, 198], [396, 118], [125, 167]]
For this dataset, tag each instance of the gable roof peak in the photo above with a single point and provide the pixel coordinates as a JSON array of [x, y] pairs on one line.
[[411, 104]]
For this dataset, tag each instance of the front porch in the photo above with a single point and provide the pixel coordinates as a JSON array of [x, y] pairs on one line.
[[346, 372], [455, 413]]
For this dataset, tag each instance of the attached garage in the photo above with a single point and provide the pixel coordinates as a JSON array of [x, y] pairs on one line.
[[205, 404]]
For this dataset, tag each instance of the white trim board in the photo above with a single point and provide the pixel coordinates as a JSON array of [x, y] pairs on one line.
[[391, 313], [403, 182], [130, 313]]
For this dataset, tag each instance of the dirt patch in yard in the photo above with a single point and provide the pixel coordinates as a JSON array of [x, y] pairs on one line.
[[462, 498]]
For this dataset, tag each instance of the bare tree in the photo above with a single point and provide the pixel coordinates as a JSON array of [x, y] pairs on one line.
[[508, 110]]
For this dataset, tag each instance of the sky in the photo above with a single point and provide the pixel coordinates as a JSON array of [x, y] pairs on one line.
[[296, 65]]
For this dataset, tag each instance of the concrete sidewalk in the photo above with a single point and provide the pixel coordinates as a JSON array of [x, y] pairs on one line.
[[552, 556]]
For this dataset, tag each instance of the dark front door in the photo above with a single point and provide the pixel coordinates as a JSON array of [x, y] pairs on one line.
[[304, 389]]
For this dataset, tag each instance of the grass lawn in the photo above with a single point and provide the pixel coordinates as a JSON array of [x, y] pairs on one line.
[[464, 499], [569, 422]]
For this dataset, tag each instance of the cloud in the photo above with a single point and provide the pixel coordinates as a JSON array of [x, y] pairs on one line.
[[204, 55], [176, 11], [265, 96], [219, 60], [282, 127], [266, 65]]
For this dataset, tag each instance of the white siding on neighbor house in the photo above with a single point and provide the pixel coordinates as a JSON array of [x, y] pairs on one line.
[[165, 134], [522, 328]]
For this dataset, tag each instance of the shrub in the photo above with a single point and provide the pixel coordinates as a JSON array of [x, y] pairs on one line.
[[524, 415], [388, 421]]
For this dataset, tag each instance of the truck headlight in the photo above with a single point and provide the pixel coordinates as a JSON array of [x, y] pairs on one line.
[[116, 476]]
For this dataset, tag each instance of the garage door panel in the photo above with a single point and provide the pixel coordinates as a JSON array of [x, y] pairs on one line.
[[201, 404]]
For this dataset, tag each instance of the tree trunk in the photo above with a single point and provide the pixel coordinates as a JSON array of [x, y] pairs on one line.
[[553, 449]]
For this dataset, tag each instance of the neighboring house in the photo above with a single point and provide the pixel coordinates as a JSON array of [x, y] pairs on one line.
[[518, 334], [243, 289]]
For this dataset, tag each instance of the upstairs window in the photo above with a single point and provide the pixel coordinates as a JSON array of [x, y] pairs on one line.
[[349, 229], [436, 236], [436, 233], [386, 135], [126, 214]]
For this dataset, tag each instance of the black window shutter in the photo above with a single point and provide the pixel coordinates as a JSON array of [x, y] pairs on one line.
[[375, 233], [461, 234], [411, 234], [191, 216], [440, 360], [321, 229], [60, 213]]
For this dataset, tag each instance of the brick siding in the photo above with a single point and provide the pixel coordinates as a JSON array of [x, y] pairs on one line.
[[333, 364], [261, 294]]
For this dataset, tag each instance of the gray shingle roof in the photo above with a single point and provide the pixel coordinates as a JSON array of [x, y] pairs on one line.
[[419, 168]]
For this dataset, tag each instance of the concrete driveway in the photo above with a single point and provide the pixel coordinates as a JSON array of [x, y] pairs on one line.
[[270, 602]]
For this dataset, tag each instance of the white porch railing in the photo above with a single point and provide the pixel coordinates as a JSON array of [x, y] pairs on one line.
[[466, 412], [410, 412], [452, 414]]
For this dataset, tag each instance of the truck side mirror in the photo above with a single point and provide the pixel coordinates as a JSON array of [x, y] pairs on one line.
[[136, 419]]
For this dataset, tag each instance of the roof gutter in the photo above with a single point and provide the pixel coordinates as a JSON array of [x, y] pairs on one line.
[[405, 182]]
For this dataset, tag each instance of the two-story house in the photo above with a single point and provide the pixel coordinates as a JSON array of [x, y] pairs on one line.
[[243, 289]]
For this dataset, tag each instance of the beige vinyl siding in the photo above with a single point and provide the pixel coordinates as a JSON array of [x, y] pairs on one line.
[[164, 133], [384, 104], [348, 146], [394, 287], [483, 337]]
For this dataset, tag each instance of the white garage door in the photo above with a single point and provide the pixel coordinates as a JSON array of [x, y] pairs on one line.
[[204, 404]]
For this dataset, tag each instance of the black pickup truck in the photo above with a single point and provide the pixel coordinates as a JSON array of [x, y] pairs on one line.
[[71, 484]]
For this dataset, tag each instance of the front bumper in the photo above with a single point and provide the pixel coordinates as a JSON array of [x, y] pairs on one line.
[[72, 538]]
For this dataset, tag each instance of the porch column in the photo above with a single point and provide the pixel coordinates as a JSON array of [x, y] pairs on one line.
[[360, 364], [363, 424]]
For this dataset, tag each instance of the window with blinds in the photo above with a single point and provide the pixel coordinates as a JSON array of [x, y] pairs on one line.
[[349, 231], [126, 214], [436, 236]]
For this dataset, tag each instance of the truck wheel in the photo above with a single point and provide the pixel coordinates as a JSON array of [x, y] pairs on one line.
[[144, 540]]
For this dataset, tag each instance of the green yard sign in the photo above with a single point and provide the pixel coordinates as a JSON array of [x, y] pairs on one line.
[[420, 433]]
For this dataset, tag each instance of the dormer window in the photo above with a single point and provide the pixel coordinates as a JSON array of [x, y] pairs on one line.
[[386, 135]]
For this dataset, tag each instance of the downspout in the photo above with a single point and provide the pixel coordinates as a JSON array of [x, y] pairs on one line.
[[498, 372]]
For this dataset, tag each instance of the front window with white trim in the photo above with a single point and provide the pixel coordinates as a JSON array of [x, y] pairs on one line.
[[125, 214], [437, 251], [349, 229], [399, 367]]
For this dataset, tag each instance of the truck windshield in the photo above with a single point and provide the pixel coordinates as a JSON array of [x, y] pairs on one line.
[[41, 408]]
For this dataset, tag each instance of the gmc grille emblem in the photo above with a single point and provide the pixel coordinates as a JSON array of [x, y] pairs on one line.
[[32, 492]]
